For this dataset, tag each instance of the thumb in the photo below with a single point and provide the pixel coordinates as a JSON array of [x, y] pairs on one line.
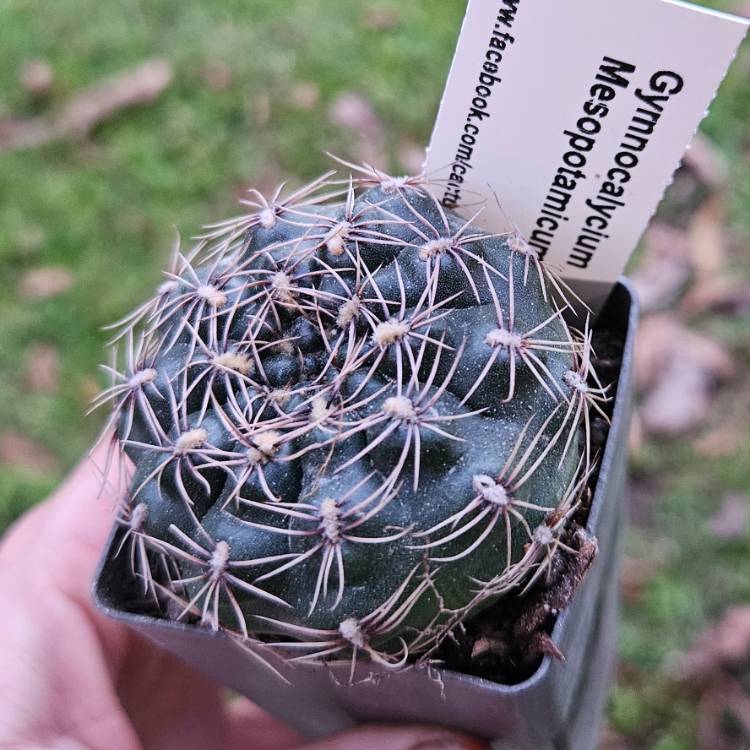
[[397, 738]]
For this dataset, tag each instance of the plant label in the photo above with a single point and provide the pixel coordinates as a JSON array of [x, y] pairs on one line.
[[566, 119]]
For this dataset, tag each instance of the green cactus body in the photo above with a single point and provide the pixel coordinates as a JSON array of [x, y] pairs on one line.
[[354, 422]]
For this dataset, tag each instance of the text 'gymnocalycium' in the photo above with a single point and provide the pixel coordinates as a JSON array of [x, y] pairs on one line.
[[354, 420]]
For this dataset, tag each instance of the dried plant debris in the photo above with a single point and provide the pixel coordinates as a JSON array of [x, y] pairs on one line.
[[88, 108], [718, 665], [357, 421], [724, 646], [676, 370], [665, 268]]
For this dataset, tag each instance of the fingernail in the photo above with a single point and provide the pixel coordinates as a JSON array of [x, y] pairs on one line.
[[451, 743]]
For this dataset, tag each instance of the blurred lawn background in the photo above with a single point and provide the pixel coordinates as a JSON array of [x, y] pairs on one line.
[[260, 90]]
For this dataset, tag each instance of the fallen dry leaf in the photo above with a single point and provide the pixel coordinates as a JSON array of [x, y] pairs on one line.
[[141, 85], [676, 369], [731, 520], [724, 645], [707, 162], [643, 491], [708, 246], [381, 17], [683, 196], [611, 740], [29, 133], [260, 109], [42, 372], [665, 268], [667, 241], [723, 294], [721, 441], [46, 282], [679, 401], [662, 338], [22, 452], [660, 282], [635, 576], [217, 75], [85, 110], [635, 433], [304, 95], [36, 77], [352, 111], [724, 716]]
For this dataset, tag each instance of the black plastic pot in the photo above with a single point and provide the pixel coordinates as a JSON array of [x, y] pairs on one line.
[[559, 707]]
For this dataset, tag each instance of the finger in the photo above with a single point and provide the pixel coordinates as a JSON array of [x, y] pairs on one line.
[[397, 738], [79, 507], [56, 546], [171, 706], [84, 503], [252, 728], [65, 534], [55, 684]]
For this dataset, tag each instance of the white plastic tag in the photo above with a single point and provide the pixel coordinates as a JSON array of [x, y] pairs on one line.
[[568, 119]]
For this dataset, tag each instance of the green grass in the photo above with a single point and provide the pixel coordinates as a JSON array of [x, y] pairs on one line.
[[107, 209]]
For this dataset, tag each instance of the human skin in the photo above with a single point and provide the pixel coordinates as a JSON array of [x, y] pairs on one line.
[[72, 680]]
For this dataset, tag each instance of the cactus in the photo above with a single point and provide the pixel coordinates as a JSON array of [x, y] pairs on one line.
[[355, 420]]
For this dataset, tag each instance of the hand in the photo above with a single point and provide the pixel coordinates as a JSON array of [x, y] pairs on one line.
[[72, 680]]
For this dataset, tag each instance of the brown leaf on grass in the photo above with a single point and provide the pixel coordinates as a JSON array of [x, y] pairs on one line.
[[635, 433], [91, 106], [665, 240], [724, 716], [36, 77], [304, 95], [22, 452], [643, 491], [679, 401], [707, 163], [46, 282], [42, 372], [721, 441], [708, 246], [635, 576], [662, 338], [381, 17], [352, 111], [676, 369], [609, 739], [29, 133], [140, 85], [731, 520], [217, 76], [723, 294], [260, 109], [725, 645], [665, 268]]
